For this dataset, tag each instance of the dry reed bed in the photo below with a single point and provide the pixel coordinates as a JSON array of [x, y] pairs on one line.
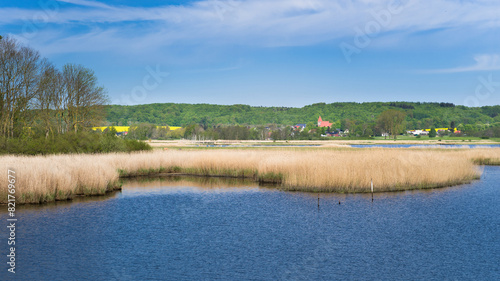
[[482, 156], [44, 179], [61, 177]]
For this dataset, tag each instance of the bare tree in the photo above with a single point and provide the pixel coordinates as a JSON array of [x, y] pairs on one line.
[[19, 68], [47, 101], [34, 93], [83, 99]]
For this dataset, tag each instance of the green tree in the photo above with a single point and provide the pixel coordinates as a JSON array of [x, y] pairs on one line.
[[160, 133], [310, 126], [194, 132], [141, 131], [432, 133], [110, 142], [391, 122]]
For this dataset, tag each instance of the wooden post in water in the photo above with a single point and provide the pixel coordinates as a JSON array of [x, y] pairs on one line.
[[372, 189], [318, 201]]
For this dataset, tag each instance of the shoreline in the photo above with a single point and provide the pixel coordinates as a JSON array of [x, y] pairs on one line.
[[319, 143]]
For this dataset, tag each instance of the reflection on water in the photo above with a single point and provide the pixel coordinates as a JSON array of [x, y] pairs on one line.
[[231, 229], [57, 205], [174, 184], [193, 181]]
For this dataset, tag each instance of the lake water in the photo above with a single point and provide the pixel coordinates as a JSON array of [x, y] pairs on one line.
[[427, 145], [187, 229]]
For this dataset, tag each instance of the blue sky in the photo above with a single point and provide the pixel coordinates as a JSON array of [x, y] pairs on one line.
[[271, 53]]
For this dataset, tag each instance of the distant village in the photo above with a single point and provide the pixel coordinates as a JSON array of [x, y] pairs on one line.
[[332, 132], [425, 132], [324, 128]]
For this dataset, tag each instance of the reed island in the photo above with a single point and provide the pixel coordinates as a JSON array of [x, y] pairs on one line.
[[345, 170]]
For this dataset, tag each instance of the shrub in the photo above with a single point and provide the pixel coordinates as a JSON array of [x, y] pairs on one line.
[[71, 142], [134, 145]]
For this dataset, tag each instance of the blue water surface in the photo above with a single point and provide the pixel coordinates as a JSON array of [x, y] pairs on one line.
[[255, 233], [426, 145]]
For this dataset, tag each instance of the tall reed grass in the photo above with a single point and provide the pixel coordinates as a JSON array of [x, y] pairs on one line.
[[58, 177], [61, 177]]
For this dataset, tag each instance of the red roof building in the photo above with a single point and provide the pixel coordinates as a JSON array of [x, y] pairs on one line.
[[322, 123]]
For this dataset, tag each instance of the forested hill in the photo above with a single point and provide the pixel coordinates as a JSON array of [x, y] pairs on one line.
[[418, 115]]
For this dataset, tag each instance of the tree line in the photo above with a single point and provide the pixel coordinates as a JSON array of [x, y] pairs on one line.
[[390, 123], [417, 115], [35, 94], [38, 100]]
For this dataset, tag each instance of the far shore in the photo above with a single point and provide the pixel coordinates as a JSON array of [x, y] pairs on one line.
[[323, 143]]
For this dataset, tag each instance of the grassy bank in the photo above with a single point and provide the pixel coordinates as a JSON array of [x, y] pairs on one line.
[[70, 142], [62, 177]]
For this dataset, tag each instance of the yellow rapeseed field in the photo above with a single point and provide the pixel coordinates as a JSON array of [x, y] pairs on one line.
[[121, 129]]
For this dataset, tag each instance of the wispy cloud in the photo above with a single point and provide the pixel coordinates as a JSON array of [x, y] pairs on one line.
[[86, 3], [94, 25], [484, 62]]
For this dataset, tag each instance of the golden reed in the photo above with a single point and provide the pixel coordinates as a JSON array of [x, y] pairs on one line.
[[61, 177]]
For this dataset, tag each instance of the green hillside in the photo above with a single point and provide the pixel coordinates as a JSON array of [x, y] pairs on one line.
[[418, 115]]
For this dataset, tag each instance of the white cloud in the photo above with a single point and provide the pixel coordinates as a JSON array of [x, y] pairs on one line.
[[86, 3], [484, 62], [92, 25]]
